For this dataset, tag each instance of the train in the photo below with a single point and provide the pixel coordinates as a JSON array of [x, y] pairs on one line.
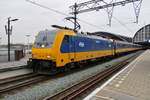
[[62, 49]]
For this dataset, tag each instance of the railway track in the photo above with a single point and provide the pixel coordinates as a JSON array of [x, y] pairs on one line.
[[80, 88], [12, 83]]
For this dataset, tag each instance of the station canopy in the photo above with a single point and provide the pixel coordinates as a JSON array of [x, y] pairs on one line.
[[109, 35]]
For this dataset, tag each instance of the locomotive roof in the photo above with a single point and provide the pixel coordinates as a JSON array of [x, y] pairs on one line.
[[97, 35], [92, 36], [46, 30]]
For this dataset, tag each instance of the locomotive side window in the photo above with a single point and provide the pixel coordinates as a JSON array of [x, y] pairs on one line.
[[65, 46], [66, 39], [45, 39]]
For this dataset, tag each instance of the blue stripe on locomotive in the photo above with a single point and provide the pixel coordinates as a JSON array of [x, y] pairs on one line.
[[84, 44]]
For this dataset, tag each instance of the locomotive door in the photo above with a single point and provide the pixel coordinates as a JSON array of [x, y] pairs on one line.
[[71, 48], [68, 48]]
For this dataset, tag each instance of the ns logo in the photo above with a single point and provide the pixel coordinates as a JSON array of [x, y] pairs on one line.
[[81, 44]]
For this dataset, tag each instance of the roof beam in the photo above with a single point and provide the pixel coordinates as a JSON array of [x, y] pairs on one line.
[[97, 4]]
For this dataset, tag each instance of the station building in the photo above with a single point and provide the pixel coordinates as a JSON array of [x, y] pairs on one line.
[[142, 36]]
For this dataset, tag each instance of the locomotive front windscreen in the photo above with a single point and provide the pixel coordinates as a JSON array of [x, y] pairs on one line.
[[45, 39]]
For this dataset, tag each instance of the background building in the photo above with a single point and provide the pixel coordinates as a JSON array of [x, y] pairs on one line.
[[142, 36]]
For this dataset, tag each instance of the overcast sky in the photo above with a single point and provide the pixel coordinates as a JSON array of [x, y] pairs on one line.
[[32, 18]]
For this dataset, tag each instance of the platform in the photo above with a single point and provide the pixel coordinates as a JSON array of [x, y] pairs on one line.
[[12, 65], [131, 83]]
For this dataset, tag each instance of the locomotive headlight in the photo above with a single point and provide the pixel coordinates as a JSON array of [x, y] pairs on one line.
[[48, 56], [32, 55], [43, 46]]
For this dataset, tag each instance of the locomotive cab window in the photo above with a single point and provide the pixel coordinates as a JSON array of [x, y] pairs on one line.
[[45, 39]]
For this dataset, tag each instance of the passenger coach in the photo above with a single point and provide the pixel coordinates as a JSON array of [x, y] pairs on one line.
[[59, 49]]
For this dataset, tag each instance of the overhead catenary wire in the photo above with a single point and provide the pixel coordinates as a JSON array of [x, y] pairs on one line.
[[64, 14], [42, 6], [90, 24], [92, 5], [121, 23], [96, 26]]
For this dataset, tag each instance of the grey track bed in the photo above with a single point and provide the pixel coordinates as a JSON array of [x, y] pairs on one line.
[[52, 86]]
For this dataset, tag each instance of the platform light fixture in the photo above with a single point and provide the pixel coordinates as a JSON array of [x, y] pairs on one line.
[[9, 32]]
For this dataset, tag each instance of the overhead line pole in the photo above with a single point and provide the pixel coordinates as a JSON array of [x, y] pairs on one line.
[[101, 4], [9, 32], [75, 16]]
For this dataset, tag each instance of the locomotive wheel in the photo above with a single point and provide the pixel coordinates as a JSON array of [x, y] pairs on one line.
[[35, 69]]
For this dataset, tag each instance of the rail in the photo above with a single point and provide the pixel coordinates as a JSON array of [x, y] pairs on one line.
[[79, 88], [19, 81]]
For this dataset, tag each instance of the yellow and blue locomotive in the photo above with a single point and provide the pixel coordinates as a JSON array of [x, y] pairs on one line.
[[56, 50]]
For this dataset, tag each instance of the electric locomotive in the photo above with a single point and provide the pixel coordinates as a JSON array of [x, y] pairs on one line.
[[59, 49]]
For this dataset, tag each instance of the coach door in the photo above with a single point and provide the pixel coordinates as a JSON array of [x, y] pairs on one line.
[[114, 47]]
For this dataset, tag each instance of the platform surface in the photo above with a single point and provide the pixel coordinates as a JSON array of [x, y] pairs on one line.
[[13, 64], [131, 83]]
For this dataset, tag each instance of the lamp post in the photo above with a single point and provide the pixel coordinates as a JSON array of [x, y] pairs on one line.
[[28, 42], [9, 32]]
